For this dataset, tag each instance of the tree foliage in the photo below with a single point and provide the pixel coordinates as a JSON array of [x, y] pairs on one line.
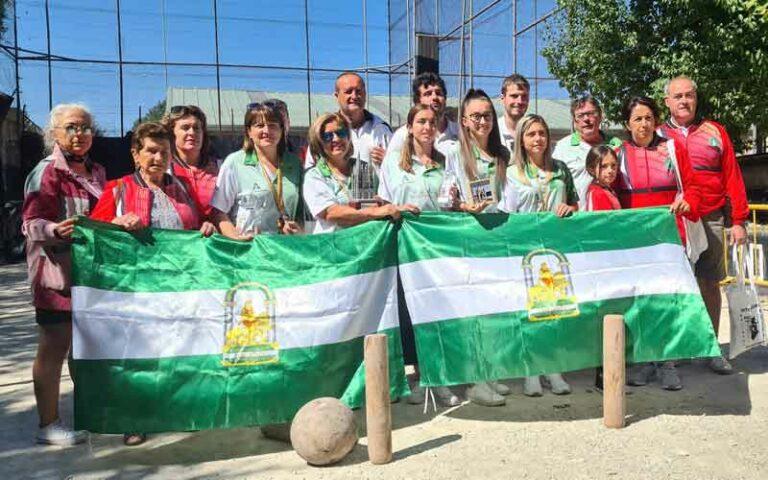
[[617, 48], [154, 114]]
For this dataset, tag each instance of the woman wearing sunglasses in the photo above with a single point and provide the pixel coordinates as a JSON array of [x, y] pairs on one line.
[[328, 182], [259, 187], [190, 147]]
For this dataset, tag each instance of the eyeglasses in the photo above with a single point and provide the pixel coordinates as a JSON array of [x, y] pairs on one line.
[[585, 115], [72, 130], [327, 137], [478, 117]]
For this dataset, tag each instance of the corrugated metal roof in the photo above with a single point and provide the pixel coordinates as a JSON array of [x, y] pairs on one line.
[[234, 102]]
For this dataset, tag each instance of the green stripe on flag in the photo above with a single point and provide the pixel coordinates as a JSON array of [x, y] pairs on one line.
[[436, 235], [490, 347], [151, 260], [197, 392]]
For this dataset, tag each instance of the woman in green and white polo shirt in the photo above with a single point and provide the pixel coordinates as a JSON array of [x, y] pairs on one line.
[[259, 187], [414, 174], [477, 164], [327, 184]]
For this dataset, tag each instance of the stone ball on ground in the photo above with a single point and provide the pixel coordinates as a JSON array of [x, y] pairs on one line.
[[323, 431]]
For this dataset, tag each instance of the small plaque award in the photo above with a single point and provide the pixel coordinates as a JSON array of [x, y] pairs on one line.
[[481, 190]]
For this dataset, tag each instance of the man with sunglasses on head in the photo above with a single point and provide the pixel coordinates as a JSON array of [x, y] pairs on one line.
[[573, 149], [429, 89], [515, 96], [369, 134]]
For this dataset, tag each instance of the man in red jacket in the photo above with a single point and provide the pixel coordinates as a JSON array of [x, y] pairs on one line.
[[711, 155]]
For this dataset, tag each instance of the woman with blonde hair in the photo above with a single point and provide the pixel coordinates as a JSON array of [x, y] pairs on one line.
[[259, 187], [538, 183], [328, 183]]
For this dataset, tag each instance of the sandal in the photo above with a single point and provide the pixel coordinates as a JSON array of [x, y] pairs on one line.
[[133, 439]]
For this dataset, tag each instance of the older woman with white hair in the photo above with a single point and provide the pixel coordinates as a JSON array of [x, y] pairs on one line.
[[62, 186]]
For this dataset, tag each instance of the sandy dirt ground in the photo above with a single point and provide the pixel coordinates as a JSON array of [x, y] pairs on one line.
[[715, 428]]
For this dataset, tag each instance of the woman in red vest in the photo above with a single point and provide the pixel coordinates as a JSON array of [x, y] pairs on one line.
[[655, 172], [150, 197]]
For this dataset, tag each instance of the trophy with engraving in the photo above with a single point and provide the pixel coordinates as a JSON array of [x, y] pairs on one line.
[[364, 184]]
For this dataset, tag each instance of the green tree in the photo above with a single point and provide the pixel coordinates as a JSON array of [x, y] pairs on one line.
[[154, 114], [617, 48]]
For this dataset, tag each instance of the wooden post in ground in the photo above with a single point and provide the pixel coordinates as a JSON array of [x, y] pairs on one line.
[[378, 411], [614, 371]]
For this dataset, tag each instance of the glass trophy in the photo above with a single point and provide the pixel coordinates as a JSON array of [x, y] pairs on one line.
[[364, 184]]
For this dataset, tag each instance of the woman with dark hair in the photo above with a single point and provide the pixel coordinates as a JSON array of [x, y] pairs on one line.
[[151, 197], [414, 175], [477, 164], [259, 187], [475, 172], [190, 147], [655, 172]]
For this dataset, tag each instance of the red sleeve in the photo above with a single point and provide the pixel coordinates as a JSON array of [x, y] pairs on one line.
[[734, 182], [690, 180], [597, 199], [105, 209]]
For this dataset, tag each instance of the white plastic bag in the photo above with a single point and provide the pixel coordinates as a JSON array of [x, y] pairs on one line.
[[747, 325]]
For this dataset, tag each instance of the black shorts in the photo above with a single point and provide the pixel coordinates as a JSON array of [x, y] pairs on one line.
[[51, 317]]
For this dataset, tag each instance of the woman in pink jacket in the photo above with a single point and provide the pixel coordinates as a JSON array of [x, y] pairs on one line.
[[62, 186]]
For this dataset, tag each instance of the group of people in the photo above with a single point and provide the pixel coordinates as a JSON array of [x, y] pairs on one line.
[[477, 164]]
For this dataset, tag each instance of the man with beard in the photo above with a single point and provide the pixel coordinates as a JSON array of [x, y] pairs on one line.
[[515, 95], [573, 149], [429, 89], [712, 157], [369, 134]]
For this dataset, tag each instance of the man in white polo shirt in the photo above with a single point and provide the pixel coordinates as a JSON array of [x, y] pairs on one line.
[[429, 89], [573, 149], [370, 134], [515, 96]]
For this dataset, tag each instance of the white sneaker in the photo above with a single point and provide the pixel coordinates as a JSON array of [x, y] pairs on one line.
[[532, 387], [558, 384], [417, 394], [483, 394], [57, 434], [445, 396], [500, 388]]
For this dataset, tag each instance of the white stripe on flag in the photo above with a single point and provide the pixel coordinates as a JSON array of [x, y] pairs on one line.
[[114, 325], [447, 288]]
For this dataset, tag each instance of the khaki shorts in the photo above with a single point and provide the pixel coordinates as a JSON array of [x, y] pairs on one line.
[[711, 263]]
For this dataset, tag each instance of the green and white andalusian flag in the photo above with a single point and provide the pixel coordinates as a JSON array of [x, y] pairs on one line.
[[497, 296], [177, 332]]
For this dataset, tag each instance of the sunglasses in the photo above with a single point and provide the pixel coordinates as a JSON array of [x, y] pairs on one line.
[[327, 137]]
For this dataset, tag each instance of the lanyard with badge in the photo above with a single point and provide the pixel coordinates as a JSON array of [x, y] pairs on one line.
[[277, 194], [480, 188]]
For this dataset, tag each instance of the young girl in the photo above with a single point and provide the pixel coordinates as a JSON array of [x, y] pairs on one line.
[[603, 165]]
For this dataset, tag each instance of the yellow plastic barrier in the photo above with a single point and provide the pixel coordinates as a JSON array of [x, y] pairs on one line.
[[754, 227]]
